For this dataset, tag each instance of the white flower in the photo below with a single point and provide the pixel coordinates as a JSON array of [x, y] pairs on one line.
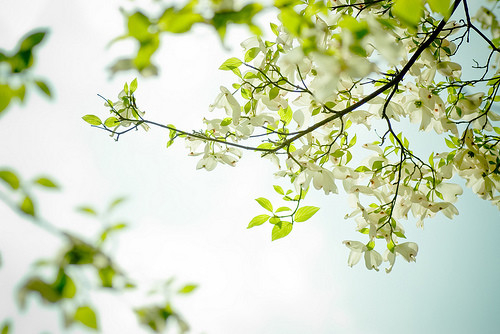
[[372, 259], [357, 249], [391, 258], [408, 250], [450, 191], [193, 144], [227, 101], [292, 60], [450, 69], [208, 162]]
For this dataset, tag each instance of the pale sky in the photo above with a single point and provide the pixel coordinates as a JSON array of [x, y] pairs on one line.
[[192, 224]]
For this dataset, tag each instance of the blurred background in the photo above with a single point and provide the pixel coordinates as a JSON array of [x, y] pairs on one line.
[[191, 224]]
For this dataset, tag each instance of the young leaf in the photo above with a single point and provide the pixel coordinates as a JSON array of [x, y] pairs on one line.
[[273, 93], [285, 115], [133, 85], [68, 288], [87, 210], [226, 121], [274, 220], [45, 182], [362, 169], [106, 275], [266, 146], [188, 288], [43, 87], [274, 28], [6, 327], [400, 234], [27, 206], [116, 202], [230, 64], [442, 7], [86, 316], [258, 220], [10, 178], [278, 189], [391, 246], [265, 203], [305, 213], [283, 208], [251, 54], [92, 119], [32, 40], [111, 122], [409, 11], [280, 230]]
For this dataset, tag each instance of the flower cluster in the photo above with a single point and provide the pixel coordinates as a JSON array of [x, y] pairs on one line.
[[332, 70], [298, 92]]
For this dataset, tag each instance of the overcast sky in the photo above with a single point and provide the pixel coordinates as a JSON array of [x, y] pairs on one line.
[[192, 224]]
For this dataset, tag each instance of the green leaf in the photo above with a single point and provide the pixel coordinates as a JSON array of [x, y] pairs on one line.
[[133, 85], [305, 213], [6, 327], [106, 275], [338, 153], [142, 61], [64, 285], [449, 143], [258, 220], [391, 246], [32, 40], [265, 203], [27, 206], [10, 178], [274, 220], [35, 284], [5, 96], [442, 7], [92, 119], [292, 21], [280, 230], [273, 93], [377, 165], [283, 208], [362, 169], [138, 26], [43, 87], [274, 28], [116, 202], [222, 18], [111, 122], [188, 288], [179, 21], [400, 234], [86, 316], [45, 182], [266, 146], [353, 141], [409, 11], [226, 121], [285, 115], [154, 317], [87, 210], [278, 189], [251, 54], [230, 64], [118, 226]]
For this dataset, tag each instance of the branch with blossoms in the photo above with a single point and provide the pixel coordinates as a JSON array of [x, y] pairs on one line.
[[312, 76]]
